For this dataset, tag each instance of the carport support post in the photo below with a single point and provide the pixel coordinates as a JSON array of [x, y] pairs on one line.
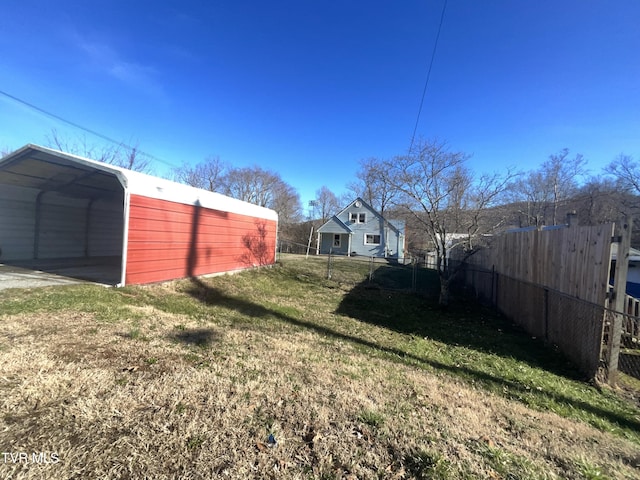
[[619, 297]]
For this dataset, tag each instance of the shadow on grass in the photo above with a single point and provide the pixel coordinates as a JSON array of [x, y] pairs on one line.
[[198, 337], [362, 303], [463, 323], [394, 276], [213, 296]]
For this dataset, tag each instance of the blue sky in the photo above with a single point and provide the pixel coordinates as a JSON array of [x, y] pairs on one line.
[[309, 88]]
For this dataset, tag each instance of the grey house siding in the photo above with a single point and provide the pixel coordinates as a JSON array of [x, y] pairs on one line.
[[373, 226], [335, 237], [327, 244], [370, 234]]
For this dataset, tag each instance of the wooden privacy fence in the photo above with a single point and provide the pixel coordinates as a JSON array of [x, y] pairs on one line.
[[553, 282]]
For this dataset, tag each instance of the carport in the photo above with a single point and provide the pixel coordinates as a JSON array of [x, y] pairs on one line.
[[61, 213], [73, 216]]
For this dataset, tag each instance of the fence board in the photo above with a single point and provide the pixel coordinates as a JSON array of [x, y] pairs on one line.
[[574, 261], [553, 283]]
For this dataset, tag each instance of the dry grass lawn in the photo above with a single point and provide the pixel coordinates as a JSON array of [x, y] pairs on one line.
[[155, 393]]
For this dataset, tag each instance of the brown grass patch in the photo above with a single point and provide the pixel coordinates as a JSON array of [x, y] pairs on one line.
[[169, 397]]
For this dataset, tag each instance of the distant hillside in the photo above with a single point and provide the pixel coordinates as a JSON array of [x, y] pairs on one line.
[[592, 208]]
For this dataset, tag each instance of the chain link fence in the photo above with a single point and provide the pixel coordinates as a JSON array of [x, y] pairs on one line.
[[582, 330], [628, 349], [286, 246], [406, 275], [388, 274]]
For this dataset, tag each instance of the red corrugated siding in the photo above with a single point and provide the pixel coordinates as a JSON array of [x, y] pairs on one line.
[[170, 240]]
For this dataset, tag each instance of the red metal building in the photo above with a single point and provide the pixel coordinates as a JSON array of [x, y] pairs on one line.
[[59, 210]]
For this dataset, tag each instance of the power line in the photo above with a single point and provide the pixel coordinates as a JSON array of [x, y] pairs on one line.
[[85, 129], [426, 83]]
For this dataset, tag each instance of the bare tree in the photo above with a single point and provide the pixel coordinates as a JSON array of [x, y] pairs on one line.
[[4, 151], [208, 174], [286, 201], [372, 185], [120, 155], [435, 187], [530, 198], [250, 184], [538, 194], [626, 171], [561, 175], [600, 200], [326, 204]]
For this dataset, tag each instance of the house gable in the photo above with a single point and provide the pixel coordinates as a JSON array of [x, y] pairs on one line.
[[334, 225], [358, 212]]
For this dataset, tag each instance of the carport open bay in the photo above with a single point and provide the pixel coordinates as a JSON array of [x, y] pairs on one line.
[[28, 274]]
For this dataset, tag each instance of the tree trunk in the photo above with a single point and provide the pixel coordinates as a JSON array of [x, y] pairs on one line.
[[443, 300]]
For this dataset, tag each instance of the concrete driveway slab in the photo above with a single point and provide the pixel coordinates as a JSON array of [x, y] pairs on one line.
[[17, 277]]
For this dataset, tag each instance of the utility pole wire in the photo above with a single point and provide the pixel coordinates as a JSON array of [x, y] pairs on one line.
[[426, 83], [88, 130]]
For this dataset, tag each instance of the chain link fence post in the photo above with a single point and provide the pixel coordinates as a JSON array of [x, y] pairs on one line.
[[546, 313], [371, 260], [492, 298], [414, 276]]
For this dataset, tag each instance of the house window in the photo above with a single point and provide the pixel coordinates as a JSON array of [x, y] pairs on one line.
[[371, 239], [357, 217], [336, 240]]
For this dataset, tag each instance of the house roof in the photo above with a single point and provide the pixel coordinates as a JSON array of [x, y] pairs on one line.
[[634, 254], [335, 225], [45, 169]]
